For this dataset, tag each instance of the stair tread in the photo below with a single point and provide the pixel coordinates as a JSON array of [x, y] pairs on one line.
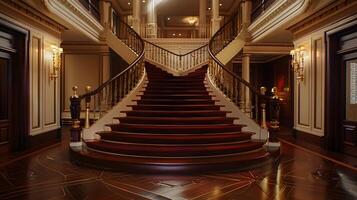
[[176, 111], [168, 105], [173, 150], [183, 138], [178, 118], [154, 160], [179, 126]]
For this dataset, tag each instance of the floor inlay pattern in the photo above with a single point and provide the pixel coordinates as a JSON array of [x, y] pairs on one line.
[[298, 175]]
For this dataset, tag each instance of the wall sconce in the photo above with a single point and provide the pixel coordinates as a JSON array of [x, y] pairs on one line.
[[56, 61], [297, 62]]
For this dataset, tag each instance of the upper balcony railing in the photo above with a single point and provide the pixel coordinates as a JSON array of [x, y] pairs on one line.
[[259, 7], [176, 62], [92, 6], [225, 34]]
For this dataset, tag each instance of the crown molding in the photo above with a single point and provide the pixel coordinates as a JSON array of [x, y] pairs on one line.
[[26, 14], [329, 14], [276, 16], [73, 13]]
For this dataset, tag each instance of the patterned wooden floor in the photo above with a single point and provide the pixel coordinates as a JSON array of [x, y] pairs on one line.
[[49, 175]]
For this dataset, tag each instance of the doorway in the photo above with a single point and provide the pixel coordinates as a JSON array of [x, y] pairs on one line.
[[341, 91], [14, 87]]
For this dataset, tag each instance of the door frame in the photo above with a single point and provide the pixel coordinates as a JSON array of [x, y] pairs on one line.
[[20, 107], [334, 115]]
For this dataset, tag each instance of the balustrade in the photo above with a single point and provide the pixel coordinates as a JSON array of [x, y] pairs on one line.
[[250, 100], [177, 62], [111, 92]]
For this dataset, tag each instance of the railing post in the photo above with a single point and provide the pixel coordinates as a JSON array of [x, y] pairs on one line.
[[263, 107], [88, 98], [75, 115]]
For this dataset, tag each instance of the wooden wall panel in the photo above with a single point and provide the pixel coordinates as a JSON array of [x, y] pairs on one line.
[[35, 60], [318, 84]]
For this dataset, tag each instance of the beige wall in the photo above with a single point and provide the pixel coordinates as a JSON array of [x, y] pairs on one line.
[[44, 92], [84, 64], [310, 93], [309, 102]]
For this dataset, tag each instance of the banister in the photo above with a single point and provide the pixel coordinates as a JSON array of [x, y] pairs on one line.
[[238, 90], [125, 70], [213, 56], [255, 90], [113, 90]]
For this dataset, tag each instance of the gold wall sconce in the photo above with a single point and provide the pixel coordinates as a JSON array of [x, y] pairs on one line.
[[297, 62], [56, 61]]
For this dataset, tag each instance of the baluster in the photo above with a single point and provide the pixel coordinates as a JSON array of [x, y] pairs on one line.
[[95, 106], [87, 100], [125, 83]]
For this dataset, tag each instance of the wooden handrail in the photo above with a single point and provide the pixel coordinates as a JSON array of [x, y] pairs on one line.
[[213, 56], [112, 91], [121, 73]]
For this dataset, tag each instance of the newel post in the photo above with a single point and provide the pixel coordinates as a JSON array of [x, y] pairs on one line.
[[263, 107], [75, 115]]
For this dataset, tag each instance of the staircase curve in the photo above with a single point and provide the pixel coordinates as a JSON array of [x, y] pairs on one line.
[[175, 125]]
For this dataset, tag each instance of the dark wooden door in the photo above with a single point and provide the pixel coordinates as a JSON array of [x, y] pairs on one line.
[[5, 97], [349, 105]]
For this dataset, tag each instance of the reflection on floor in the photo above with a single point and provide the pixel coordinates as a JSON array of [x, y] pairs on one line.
[[299, 175]]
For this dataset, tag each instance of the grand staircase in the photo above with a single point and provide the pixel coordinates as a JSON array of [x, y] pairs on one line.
[[176, 126]]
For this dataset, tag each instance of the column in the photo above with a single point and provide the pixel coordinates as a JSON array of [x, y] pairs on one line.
[[151, 26], [202, 19], [136, 15], [105, 14], [246, 77], [246, 13], [216, 20]]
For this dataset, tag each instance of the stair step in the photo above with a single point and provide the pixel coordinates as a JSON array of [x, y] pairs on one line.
[[176, 120], [175, 101], [174, 150], [153, 113], [175, 129], [162, 92], [169, 164], [175, 107], [175, 138], [175, 96]]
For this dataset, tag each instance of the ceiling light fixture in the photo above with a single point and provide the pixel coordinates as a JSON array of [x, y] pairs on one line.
[[168, 18], [220, 4], [144, 1], [209, 8], [129, 3]]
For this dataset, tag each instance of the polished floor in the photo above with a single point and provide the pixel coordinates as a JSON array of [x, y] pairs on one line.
[[49, 175]]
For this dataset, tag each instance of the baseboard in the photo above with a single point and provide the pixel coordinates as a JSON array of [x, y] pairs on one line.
[[44, 139], [309, 138]]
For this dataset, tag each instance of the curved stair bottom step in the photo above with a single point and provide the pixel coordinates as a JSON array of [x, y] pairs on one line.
[[92, 159]]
